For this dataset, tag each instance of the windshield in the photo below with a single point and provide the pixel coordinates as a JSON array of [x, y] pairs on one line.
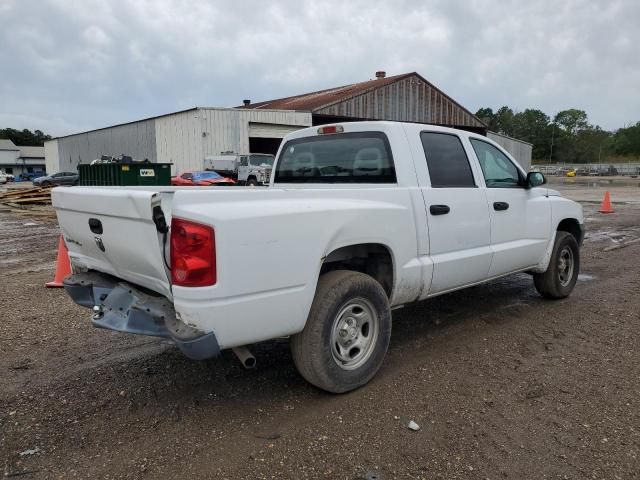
[[197, 176], [261, 160]]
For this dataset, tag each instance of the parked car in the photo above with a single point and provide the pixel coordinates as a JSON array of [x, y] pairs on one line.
[[603, 171], [205, 179], [360, 218], [29, 176], [3, 178], [8, 177], [60, 178]]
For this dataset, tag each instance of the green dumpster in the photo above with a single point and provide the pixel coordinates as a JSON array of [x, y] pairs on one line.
[[125, 174]]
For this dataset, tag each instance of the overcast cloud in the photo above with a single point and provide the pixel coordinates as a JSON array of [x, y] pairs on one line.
[[68, 66]]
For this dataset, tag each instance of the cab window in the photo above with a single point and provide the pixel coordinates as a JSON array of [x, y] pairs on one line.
[[447, 161], [498, 170]]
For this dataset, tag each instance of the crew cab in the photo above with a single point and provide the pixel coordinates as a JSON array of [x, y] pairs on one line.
[[359, 218]]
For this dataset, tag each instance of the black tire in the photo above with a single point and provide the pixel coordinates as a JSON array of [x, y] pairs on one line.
[[252, 182], [338, 297], [46, 184], [553, 283]]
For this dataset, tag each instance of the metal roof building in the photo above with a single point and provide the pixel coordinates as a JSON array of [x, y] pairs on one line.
[[185, 138], [405, 98], [20, 159], [408, 97]]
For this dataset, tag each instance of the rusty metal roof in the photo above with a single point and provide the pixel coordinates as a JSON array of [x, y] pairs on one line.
[[323, 98]]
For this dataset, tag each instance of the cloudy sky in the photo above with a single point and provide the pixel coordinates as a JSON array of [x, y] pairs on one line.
[[72, 65]]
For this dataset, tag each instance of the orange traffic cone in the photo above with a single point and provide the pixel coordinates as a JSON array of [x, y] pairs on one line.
[[606, 204], [63, 265]]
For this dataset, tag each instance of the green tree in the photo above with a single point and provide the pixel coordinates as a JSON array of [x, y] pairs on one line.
[[25, 138], [572, 120], [591, 145], [626, 141], [532, 126], [487, 116], [504, 121]]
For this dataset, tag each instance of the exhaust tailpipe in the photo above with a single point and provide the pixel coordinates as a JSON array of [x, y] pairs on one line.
[[245, 357]]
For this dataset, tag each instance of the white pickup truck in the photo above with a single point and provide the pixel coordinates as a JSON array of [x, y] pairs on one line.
[[359, 218]]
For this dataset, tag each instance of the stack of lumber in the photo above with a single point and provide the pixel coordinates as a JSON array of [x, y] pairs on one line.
[[26, 196], [32, 201]]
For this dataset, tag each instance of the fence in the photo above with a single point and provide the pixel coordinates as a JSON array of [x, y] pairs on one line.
[[589, 168]]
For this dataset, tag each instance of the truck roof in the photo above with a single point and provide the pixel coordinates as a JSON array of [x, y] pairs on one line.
[[381, 125]]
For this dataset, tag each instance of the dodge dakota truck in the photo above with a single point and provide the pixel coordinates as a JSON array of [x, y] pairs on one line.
[[358, 219]]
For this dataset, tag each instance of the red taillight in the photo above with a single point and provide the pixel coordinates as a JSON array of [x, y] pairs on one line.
[[193, 254]]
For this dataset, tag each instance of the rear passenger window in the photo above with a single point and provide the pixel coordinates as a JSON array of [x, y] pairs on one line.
[[360, 157], [447, 161]]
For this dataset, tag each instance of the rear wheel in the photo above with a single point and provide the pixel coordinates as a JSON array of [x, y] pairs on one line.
[[252, 182], [347, 333], [562, 273]]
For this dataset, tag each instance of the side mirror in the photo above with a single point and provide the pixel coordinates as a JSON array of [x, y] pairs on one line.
[[535, 179]]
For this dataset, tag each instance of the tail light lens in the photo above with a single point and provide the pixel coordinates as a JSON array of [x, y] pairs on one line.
[[193, 254]]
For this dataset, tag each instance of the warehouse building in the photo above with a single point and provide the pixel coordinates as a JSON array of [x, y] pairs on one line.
[[18, 160], [186, 138], [183, 138], [408, 97]]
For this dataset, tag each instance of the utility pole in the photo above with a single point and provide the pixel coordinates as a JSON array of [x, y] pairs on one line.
[[553, 131], [599, 152]]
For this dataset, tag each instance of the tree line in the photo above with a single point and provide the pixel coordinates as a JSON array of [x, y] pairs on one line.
[[568, 137], [24, 138]]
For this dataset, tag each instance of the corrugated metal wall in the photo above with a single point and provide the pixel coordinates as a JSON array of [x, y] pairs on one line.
[[51, 158], [269, 130], [135, 139], [186, 138], [519, 150], [408, 100], [183, 138]]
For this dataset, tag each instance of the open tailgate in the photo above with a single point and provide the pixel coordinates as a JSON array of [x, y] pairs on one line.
[[129, 247]]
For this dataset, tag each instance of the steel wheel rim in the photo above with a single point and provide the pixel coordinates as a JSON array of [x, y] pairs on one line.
[[354, 334], [565, 266]]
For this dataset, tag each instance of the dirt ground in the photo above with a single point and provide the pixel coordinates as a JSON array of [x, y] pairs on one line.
[[502, 383]]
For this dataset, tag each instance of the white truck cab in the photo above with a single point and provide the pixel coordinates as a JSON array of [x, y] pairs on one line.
[[359, 218]]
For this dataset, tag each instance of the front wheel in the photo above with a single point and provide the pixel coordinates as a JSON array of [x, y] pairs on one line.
[[252, 182], [562, 273], [347, 333]]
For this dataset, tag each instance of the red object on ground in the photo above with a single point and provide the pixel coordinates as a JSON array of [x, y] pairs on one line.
[[63, 266], [606, 204], [202, 179]]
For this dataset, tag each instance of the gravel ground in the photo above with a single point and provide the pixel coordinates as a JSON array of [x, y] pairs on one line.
[[502, 383]]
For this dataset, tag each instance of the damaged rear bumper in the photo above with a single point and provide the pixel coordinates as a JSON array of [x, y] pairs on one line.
[[120, 306]]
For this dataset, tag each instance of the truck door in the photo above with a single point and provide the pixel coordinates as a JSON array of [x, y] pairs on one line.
[[243, 168], [520, 217], [458, 217]]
